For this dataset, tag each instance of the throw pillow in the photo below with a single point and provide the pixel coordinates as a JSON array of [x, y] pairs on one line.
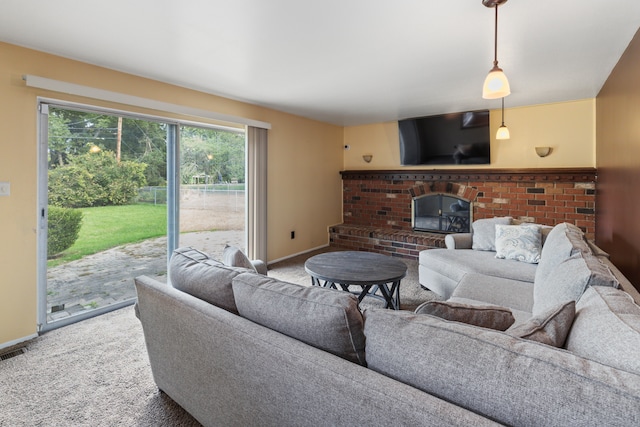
[[550, 327], [234, 257], [491, 317], [484, 233], [519, 242], [324, 318], [193, 272]]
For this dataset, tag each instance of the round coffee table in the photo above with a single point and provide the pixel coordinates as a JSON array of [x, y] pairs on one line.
[[370, 271]]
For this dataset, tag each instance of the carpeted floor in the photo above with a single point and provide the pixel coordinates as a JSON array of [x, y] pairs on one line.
[[96, 372]]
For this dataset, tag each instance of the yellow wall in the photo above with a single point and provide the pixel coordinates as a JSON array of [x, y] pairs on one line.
[[567, 127], [304, 187]]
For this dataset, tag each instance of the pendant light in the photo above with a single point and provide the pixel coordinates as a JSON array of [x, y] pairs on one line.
[[496, 84], [503, 131]]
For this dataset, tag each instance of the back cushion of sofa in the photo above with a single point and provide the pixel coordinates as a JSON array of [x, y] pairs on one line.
[[484, 232], [324, 318], [566, 282], [195, 273], [607, 328], [569, 280], [557, 247], [504, 378]]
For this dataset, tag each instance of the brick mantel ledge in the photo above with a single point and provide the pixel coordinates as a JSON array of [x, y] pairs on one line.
[[397, 243], [503, 175]]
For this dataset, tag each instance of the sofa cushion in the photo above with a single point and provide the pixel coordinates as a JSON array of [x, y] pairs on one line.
[[519, 242], [485, 316], [557, 247], [455, 264], [607, 328], [324, 318], [484, 232], [493, 374], [569, 280], [514, 294], [234, 257], [550, 327], [195, 273]]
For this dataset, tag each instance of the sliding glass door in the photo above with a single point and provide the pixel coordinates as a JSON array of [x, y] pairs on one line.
[[117, 193], [212, 189]]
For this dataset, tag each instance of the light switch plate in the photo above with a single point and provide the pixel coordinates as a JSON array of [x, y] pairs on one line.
[[5, 188]]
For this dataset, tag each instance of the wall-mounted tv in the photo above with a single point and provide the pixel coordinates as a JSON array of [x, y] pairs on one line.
[[447, 139]]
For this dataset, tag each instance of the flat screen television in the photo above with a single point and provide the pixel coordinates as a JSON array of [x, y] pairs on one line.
[[447, 139]]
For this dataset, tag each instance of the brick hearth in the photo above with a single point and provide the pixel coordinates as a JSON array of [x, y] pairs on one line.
[[377, 204]]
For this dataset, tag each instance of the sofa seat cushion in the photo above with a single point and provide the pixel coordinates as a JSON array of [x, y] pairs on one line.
[[324, 318], [454, 264], [195, 273], [514, 294], [484, 316], [607, 328], [496, 375]]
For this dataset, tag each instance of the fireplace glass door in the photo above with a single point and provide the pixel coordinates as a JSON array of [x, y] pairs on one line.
[[441, 213]]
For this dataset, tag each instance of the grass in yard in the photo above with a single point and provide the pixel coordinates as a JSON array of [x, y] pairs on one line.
[[106, 227]]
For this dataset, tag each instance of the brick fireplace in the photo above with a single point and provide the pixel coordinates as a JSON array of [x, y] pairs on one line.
[[377, 204]]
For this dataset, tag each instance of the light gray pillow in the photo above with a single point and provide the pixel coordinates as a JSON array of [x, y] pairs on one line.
[[519, 242], [484, 233], [607, 328], [193, 272], [485, 316], [234, 257], [550, 327], [324, 318]]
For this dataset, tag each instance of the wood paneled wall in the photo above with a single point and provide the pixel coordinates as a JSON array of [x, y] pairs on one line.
[[618, 163]]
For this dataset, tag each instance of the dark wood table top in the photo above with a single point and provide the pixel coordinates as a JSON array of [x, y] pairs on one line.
[[356, 268]]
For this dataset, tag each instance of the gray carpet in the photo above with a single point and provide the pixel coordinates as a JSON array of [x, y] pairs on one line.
[[96, 372]]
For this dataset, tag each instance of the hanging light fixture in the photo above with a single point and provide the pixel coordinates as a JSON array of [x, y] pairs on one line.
[[503, 131], [496, 84]]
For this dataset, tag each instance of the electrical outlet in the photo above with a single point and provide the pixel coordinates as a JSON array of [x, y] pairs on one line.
[[293, 234], [5, 188]]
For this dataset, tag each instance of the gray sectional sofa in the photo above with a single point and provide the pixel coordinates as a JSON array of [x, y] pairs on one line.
[[234, 347]]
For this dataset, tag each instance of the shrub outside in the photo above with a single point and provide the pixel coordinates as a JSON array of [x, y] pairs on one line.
[[63, 229]]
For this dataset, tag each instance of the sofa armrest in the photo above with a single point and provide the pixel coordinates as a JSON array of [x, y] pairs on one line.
[[260, 266], [458, 241]]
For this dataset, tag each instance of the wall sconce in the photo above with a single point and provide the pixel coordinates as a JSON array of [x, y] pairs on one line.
[[543, 151], [367, 157]]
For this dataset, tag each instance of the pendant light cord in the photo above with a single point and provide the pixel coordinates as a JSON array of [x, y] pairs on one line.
[[502, 111], [495, 40]]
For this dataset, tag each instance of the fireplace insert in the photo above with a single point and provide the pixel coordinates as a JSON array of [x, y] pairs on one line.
[[441, 213]]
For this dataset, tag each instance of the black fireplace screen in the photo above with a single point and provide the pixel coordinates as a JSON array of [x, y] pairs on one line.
[[441, 213]]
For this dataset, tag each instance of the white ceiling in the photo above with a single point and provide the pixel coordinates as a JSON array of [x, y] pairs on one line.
[[346, 62]]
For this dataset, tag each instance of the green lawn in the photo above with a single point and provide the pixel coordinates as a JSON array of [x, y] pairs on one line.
[[109, 226]]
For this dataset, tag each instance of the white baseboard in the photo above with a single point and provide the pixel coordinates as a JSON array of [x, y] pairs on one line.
[[16, 342], [299, 253]]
